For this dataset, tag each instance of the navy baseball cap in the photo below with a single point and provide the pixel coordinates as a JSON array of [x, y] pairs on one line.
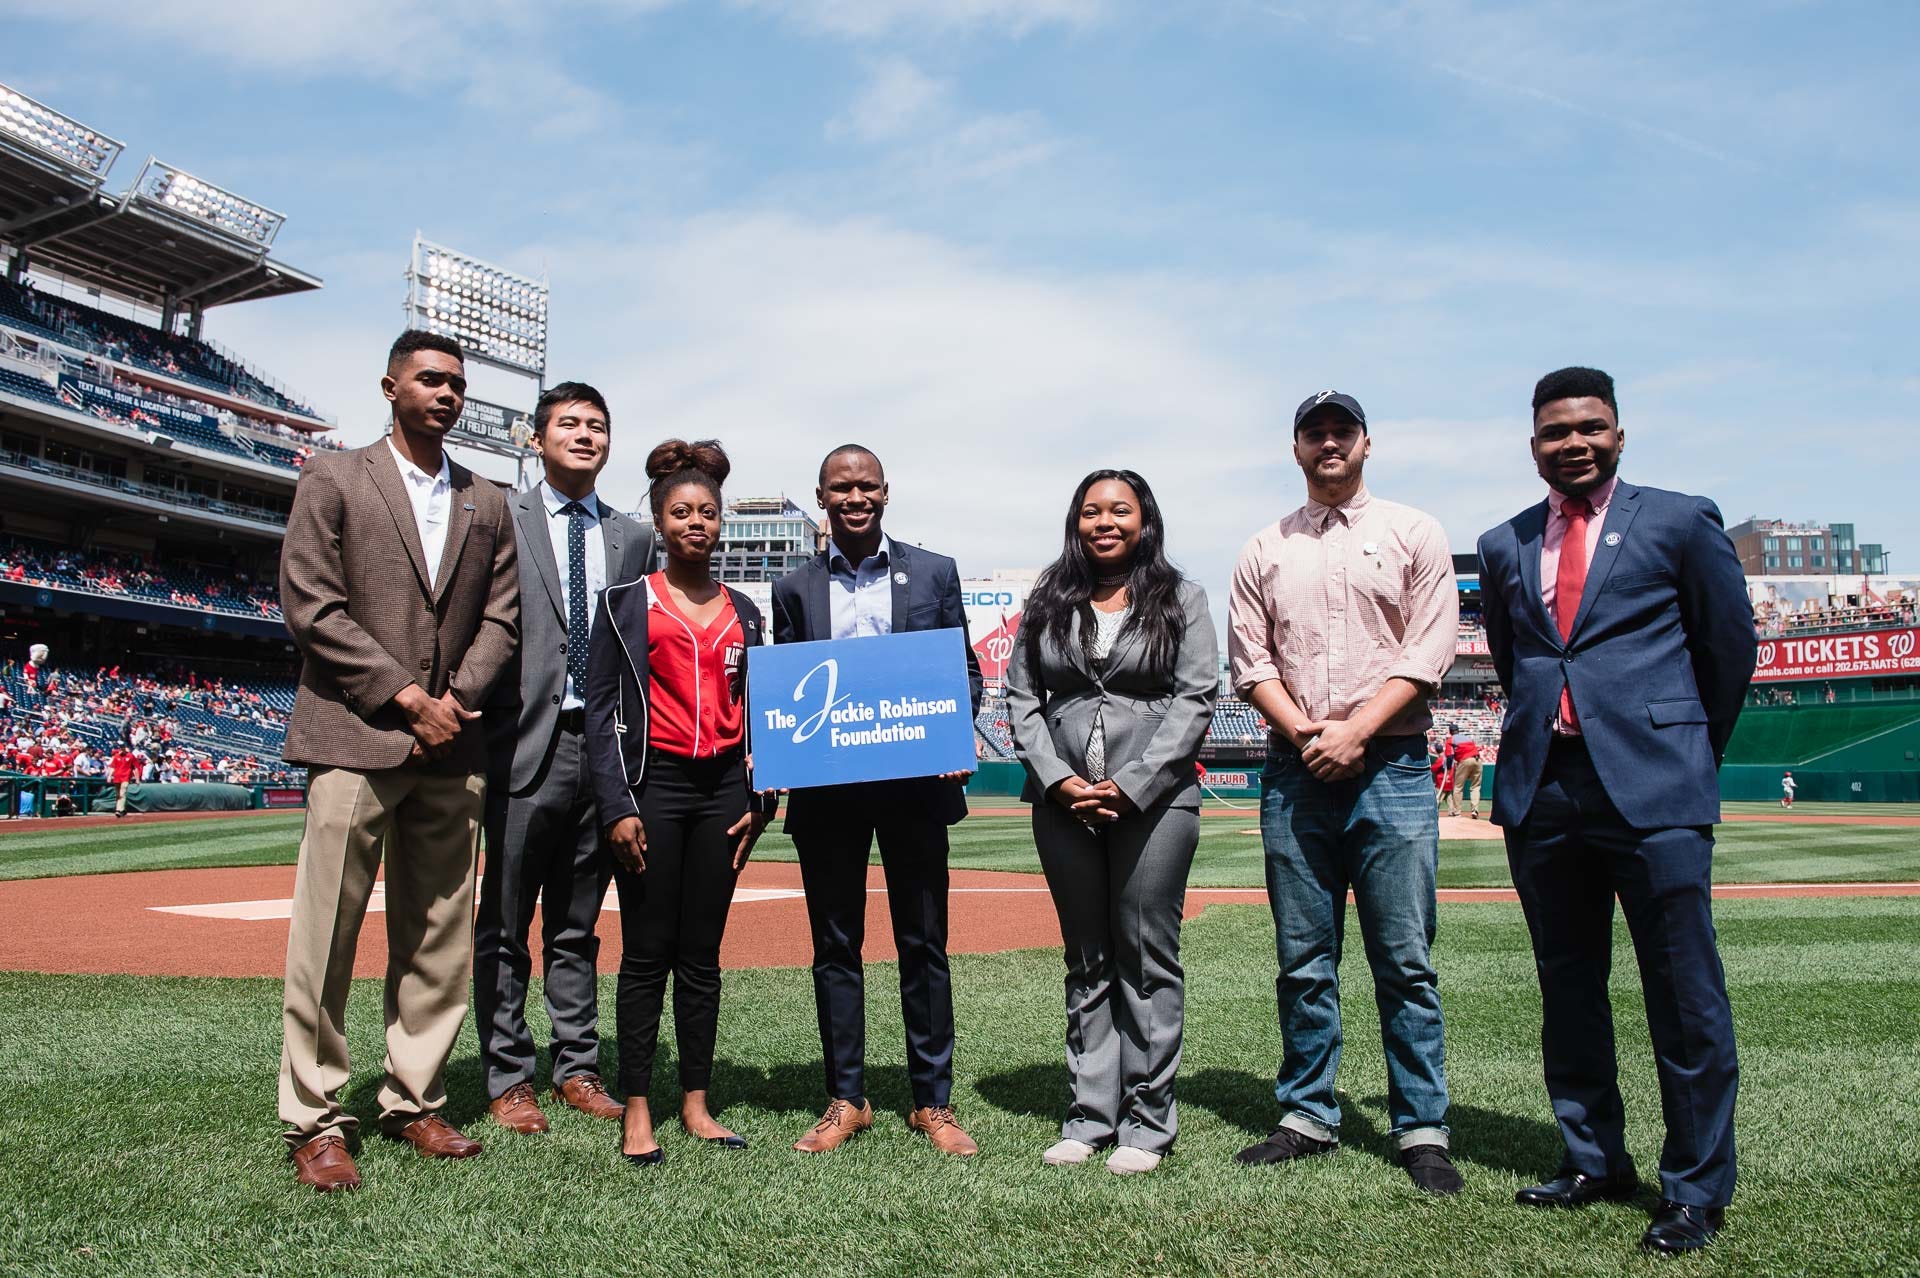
[[1345, 403]]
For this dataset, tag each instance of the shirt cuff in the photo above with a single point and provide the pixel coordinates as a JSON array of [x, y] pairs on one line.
[[1253, 676]]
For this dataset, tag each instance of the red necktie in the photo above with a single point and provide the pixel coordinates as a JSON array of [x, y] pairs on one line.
[[1568, 583]]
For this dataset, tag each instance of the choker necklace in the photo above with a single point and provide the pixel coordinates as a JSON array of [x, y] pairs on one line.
[[1119, 579]]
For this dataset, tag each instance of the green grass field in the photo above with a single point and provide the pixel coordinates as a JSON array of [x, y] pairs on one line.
[[1228, 857], [138, 1136]]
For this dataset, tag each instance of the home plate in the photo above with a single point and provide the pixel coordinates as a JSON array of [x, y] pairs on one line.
[[257, 911]]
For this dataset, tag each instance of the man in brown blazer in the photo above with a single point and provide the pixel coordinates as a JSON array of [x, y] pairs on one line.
[[399, 584]]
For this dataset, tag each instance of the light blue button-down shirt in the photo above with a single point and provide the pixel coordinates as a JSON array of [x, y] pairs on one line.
[[862, 597]]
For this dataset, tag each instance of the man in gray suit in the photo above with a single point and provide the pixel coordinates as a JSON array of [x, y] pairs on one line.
[[542, 831]]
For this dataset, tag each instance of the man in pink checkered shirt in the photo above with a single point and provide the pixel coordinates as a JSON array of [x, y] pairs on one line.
[[1342, 624]]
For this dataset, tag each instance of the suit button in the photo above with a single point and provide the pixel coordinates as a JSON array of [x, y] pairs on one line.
[[556, 701], [429, 610], [563, 647], [426, 665]]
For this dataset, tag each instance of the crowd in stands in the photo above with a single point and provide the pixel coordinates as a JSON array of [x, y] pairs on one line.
[[130, 342], [1774, 619], [203, 430], [133, 577], [1476, 717], [1236, 723], [172, 726]]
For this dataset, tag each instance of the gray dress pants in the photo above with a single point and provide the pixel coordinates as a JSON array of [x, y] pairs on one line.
[[542, 847], [1120, 891]]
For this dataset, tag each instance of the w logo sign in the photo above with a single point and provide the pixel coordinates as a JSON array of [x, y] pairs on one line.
[[1764, 657], [1901, 645]]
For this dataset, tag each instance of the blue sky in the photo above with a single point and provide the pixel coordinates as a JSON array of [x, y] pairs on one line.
[[1005, 241]]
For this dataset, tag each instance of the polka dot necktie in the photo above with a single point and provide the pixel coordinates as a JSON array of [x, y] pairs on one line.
[[576, 595]]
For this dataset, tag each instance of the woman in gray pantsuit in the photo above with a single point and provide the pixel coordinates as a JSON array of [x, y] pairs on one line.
[[1109, 694]]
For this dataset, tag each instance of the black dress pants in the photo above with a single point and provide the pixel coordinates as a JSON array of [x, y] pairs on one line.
[[674, 912], [833, 868], [1573, 856]]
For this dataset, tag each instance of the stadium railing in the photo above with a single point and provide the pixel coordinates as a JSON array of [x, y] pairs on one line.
[[152, 492], [120, 337]]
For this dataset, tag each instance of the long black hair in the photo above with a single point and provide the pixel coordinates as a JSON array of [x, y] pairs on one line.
[[1065, 588]]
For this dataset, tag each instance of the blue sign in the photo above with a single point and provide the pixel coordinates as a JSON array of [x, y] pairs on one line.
[[846, 710]]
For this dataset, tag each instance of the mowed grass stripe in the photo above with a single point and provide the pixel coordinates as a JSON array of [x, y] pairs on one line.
[[269, 840], [1229, 855], [169, 1164]]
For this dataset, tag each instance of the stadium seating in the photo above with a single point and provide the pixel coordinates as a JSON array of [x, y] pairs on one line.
[[129, 577], [240, 724], [1834, 616], [27, 386], [118, 337]]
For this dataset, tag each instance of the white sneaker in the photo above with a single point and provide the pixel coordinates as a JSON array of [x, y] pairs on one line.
[[1068, 1153], [1128, 1161]]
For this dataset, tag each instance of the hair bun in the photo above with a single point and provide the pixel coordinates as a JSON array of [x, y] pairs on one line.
[[671, 456]]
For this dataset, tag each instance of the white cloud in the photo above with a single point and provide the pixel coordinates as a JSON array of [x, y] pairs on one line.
[[866, 18], [898, 98], [488, 51], [929, 139], [987, 392]]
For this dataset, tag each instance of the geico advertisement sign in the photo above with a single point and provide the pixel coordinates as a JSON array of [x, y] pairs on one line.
[[993, 619], [1865, 652]]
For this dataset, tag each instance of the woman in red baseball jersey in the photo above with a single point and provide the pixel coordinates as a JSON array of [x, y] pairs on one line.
[[667, 746]]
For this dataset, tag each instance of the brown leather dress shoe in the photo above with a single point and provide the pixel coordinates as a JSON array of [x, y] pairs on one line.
[[516, 1110], [586, 1093], [435, 1137], [836, 1127], [324, 1163], [938, 1122]]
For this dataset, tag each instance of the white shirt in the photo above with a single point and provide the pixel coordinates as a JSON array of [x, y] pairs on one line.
[[432, 499], [596, 567], [863, 597]]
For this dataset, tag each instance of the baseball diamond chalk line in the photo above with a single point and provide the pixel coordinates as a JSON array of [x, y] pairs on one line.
[[233, 922]]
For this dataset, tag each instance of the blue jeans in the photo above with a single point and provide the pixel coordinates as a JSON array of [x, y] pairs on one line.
[[1379, 834]]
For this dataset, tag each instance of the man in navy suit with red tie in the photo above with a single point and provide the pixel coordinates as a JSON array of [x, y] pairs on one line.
[[1619, 624]]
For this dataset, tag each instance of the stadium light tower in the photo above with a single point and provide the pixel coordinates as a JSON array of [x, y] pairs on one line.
[[499, 317], [197, 200], [66, 139]]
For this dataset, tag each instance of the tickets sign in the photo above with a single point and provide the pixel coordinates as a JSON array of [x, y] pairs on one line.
[[1843, 656], [838, 711]]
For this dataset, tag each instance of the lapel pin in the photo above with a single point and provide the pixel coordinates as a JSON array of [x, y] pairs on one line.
[[899, 579], [1612, 539], [466, 505]]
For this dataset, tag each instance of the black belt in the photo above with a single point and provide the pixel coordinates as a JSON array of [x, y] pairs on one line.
[[1567, 743], [574, 720]]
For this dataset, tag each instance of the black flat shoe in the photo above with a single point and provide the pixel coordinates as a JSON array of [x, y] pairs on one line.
[[726, 1142], [652, 1158], [1678, 1228], [1576, 1189], [1283, 1144]]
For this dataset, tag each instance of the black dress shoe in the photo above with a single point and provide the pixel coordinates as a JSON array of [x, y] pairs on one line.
[[1679, 1227], [726, 1142], [652, 1158], [1431, 1169], [1283, 1144], [1576, 1189]]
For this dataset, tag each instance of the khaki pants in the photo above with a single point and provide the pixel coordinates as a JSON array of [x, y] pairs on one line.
[[430, 827], [120, 799], [1466, 775]]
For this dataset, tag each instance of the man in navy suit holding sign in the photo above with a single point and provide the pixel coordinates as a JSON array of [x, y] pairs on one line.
[[865, 584], [1619, 624]]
